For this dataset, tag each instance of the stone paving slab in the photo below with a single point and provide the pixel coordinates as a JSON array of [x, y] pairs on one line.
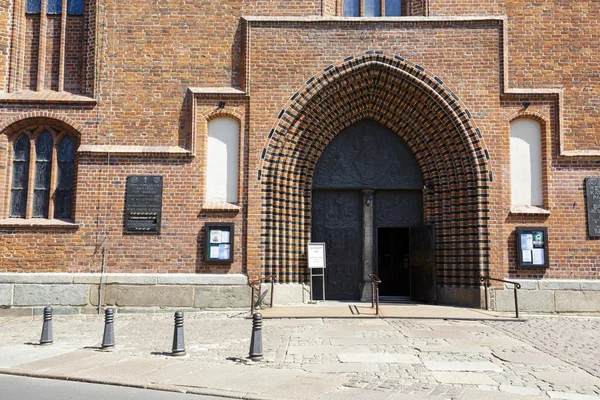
[[314, 350], [378, 358], [305, 387], [452, 349], [556, 377], [125, 370], [461, 366], [347, 367], [81, 365], [355, 394], [438, 334], [351, 341], [476, 394], [464, 378], [257, 380], [571, 396], [527, 391], [527, 358], [170, 371], [23, 354], [62, 359]]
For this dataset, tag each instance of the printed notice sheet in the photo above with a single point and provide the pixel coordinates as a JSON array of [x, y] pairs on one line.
[[538, 256]]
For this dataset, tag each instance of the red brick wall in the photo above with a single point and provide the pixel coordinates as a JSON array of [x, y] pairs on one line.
[[5, 39], [148, 53]]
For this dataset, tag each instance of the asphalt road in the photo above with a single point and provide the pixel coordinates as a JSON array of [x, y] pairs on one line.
[[19, 387]]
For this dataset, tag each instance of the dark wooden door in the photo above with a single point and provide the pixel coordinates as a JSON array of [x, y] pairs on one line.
[[422, 263], [337, 221]]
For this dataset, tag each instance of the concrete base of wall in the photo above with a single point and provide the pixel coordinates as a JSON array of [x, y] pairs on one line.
[[27, 294], [461, 296], [550, 296]]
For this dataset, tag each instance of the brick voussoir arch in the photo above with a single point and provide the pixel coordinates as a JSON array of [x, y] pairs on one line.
[[27, 120], [433, 123]]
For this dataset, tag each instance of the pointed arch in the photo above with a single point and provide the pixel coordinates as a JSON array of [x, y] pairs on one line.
[[430, 119]]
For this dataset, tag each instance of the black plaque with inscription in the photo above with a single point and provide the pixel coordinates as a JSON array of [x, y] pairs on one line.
[[143, 204], [592, 191]]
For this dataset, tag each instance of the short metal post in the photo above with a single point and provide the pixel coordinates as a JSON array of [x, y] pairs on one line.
[[256, 347], [46, 338], [516, 302], [178, 341], [108, 339], [272, 290]]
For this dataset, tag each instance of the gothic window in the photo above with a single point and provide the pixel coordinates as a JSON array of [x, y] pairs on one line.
[[372, 8], [43, 165], [48, 193], [222, 160], [55, 7], [66, 174], [50, 46], [20, 177]]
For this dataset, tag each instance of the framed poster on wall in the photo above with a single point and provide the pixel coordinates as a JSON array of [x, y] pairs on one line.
[[532, 247], [218, 242]]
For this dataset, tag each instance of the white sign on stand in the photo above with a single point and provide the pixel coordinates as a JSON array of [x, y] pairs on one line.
[[316, 261]]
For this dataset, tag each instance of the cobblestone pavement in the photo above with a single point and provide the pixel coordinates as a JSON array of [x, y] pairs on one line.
[[544, 357], [575, 340]]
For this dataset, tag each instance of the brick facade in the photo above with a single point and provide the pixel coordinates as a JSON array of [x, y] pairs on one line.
[[142, 79]]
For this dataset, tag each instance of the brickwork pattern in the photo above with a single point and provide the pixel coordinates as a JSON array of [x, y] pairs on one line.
[[138, 59], [452, 160]]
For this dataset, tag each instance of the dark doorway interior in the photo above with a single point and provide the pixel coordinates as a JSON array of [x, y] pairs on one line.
[[393, 261]]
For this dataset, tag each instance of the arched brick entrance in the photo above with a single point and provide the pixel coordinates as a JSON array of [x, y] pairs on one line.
[[430, 120]]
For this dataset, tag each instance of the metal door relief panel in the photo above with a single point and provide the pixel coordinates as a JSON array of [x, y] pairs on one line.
[[336, 217], [398, 208], [367, 155]]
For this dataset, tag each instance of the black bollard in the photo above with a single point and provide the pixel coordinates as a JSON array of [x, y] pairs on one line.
[[47, 328], [256, 348], [178, 342], [108, 340]]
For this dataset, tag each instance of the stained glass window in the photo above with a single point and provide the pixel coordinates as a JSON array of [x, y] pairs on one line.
[[66, 175], [54, 6], [20, 177], [43, 168], [351, 8], [393, 8], [76, 7], [34, 6], [372, 8]]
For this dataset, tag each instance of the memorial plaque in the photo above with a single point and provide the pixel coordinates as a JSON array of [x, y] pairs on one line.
[[592, 191], [143, 204]]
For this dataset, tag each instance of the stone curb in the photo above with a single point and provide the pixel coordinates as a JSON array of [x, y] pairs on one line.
[[157, 387]]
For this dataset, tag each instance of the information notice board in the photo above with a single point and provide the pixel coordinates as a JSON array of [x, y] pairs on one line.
[[532, 247], [317, 262], [218, 242]]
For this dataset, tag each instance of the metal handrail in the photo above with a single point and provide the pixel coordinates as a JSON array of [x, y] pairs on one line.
[[515, 287], [375, 281], [256, 284]]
